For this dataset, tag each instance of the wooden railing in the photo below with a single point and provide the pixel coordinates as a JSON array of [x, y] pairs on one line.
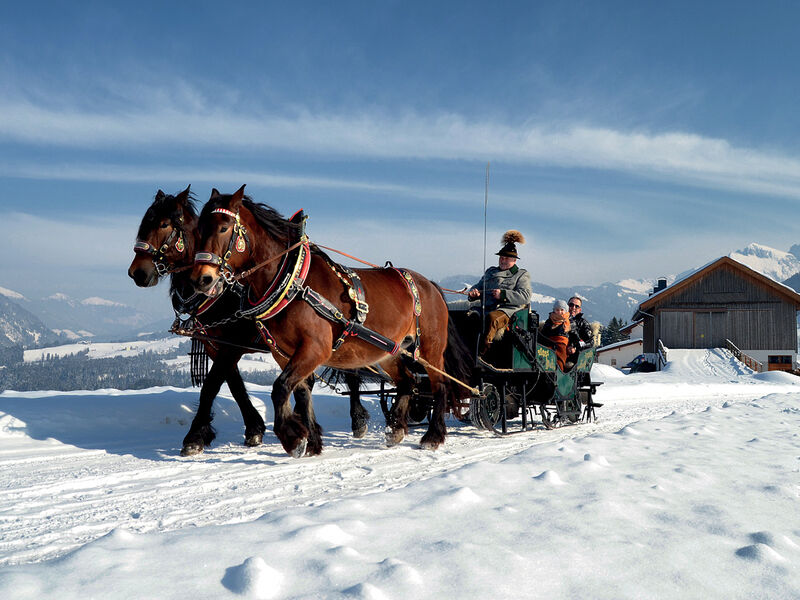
[[662, 354], [747, 360]]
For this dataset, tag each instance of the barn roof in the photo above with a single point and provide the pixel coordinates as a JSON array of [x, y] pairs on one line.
[[758, 278]]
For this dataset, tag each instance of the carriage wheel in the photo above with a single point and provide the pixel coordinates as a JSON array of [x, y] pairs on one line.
[[418, 409], [485, 409]]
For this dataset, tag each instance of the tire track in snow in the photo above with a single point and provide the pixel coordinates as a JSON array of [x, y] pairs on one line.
[[64, 501]]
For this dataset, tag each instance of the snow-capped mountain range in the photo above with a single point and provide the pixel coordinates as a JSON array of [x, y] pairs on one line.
[[620, 299], [773, 263], [59, 317]]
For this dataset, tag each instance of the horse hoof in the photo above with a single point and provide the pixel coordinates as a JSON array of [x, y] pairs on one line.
[[360, 432], [191, 449], [253, 440], [300, 450], [429, 445], [394, 437]]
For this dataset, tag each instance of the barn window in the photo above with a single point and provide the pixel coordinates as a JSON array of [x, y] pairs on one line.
[[780, 362]]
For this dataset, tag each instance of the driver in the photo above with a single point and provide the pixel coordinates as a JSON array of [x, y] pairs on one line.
[[507, 288]]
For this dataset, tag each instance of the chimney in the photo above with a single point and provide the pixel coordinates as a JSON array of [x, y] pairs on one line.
[[662, 284]]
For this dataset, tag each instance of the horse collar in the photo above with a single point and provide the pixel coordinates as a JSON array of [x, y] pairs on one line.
[[288, 281]]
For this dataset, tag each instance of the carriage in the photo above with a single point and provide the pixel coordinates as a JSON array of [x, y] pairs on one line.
[[515, 387]]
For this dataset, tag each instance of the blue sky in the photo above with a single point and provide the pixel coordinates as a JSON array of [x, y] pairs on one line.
[[626, 139]]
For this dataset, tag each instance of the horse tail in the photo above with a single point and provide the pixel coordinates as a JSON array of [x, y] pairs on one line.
[[458, 360]]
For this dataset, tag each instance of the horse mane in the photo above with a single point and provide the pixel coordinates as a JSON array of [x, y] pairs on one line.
[[163, 207], [272, 221], [267, 217]]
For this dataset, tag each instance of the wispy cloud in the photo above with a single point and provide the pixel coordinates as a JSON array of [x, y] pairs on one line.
[[81, 245], [674, 156]]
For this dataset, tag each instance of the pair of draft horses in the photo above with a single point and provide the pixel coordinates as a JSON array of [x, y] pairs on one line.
[[279, 277]]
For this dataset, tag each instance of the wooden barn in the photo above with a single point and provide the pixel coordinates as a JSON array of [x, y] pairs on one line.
[[725, 303]]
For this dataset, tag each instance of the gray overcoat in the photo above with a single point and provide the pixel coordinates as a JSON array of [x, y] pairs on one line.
[[515, 284]]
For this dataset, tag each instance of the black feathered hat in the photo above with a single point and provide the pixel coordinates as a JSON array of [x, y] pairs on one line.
[[510, 239]]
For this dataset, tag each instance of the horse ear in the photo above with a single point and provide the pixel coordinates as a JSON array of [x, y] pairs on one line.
[[181, 198], [236, 199], [160, 195], [214, 192]]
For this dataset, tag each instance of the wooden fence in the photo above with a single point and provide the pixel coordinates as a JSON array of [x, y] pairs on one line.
[[747, 360]]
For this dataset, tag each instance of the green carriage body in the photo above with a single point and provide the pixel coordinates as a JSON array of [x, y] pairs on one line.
[[525, 374]]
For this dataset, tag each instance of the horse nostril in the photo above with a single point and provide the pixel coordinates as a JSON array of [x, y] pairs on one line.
[[205, 281], [138, 276]]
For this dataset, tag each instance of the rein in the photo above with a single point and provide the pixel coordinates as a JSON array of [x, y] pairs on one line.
[[251, 270], [374, 266]]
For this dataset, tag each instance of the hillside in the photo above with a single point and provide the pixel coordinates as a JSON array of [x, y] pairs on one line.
[[19, 326]]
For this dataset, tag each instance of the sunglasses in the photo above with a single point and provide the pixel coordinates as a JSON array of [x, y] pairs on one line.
[[573, 305]]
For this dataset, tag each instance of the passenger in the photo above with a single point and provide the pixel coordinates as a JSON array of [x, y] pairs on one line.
[[555, 332], [508, 289], [581, 336]]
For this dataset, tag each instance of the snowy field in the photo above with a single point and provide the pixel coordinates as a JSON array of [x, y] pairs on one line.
[[687, 486], [107, 349]]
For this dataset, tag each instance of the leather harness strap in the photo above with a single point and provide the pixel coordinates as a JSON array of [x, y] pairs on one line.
[[417, 307], [352, 328], [289, 281]]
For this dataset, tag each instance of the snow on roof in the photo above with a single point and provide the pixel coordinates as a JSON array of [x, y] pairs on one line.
[[620, 344], [678, 283]]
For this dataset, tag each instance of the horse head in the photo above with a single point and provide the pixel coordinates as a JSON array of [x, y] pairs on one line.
[[223, 242], [235, 234], [166, 237]]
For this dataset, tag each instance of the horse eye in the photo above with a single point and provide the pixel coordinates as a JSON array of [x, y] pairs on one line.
[[223, 229], [164, 225]]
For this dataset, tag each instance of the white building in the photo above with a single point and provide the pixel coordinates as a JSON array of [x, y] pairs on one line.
[[619, 354]]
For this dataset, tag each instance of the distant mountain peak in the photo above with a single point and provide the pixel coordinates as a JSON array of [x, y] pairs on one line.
[[777, 264], [11, 294], [642, 286], [97, 301], [60, 297]]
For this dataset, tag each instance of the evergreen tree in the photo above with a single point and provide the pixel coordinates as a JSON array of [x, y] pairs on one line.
[[611, 332]]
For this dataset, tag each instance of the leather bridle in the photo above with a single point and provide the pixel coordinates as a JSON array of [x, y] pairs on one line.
[[239, 240], [159, 255]]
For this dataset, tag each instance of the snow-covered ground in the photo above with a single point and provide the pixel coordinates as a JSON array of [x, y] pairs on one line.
[[687, 486], [108, 349]]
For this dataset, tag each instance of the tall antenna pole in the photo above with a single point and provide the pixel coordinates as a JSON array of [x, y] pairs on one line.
[[485, 210]]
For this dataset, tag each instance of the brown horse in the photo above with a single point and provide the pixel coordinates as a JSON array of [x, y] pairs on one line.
[[166, 243], [304, 304]]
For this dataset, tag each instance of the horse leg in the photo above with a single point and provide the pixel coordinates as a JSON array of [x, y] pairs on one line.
[[358, 414], [304, 409], [289, 428], [201, 433], [433, 346], [254, 427], [397, 424], [437, 430]]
